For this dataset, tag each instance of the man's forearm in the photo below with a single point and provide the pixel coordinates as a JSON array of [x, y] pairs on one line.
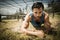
[[34, 32], [48, 27], [31, 32], [38, 33]]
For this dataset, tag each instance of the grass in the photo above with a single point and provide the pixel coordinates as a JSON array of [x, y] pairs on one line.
[[9, 30]]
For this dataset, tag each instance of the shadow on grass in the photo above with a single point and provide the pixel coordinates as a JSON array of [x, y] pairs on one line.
[[57, 37]]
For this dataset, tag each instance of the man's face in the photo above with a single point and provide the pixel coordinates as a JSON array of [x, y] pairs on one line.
[[37, 12]]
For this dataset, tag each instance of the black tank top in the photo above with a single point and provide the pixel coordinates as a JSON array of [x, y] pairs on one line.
[[37, 25]]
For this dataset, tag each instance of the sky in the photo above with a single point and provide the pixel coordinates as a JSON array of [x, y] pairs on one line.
[[9, 7]]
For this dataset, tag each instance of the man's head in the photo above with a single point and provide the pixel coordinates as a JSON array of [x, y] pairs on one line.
[[37, 9]]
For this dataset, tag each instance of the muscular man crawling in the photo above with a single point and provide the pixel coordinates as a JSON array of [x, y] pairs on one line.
[[37, 18]]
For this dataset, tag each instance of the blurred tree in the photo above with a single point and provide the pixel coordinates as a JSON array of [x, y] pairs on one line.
[[17, 15], [55, 4], [21, 12], [0, 18]]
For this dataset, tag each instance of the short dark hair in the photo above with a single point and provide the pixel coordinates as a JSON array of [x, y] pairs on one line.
[[37, 5]]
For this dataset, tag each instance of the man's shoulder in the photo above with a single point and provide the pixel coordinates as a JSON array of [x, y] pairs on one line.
[[27, 17], [46, 15]]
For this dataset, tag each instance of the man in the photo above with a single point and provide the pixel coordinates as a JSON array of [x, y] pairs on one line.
[[37, 18]]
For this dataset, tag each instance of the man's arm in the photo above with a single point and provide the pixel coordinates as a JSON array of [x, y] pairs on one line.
[[47, 23], [25, 23], [25, 26]]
